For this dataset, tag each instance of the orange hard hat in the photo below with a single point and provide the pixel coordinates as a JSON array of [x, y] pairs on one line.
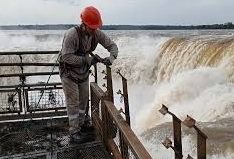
[[91, 17]]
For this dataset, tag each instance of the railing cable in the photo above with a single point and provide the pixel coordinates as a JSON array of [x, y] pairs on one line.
[[48, 80]]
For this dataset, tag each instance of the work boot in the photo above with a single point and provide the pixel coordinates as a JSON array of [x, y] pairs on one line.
[[87, 120], [89, 129], [80, 137]]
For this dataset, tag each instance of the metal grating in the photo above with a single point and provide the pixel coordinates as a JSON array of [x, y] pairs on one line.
[[50, 99], [10, 101], [94, 150], [44, 139], [30, 136]]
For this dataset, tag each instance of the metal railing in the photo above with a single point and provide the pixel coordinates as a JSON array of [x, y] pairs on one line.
[[27, 101], [113, 128], [10, 101], [190, 123], [22, 100]]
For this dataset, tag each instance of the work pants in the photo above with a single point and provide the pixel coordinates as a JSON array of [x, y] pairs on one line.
[[76, 98]]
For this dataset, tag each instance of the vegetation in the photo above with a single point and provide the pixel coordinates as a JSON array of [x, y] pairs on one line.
[[228, 25]]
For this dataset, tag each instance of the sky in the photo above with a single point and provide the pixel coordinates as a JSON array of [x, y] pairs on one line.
[[132, 12]]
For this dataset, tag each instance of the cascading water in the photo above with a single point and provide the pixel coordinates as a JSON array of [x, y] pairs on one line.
[[191, 72], [191, 75], [194, 76]]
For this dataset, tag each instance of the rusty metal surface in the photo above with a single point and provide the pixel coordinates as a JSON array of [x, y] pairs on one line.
[[114, 130], [201, 149], [110, 96], [126, 102], [45, 139], [190, 123], [131, 139], [125, 97], [201, 143], [48, 138], [123, 146], [177, 137]]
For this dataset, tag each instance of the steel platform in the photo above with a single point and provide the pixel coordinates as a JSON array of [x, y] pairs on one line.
[[45, 139]]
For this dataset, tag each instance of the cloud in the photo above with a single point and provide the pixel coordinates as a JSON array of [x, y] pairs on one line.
[[36, 12], [72, 2], [163, 12]]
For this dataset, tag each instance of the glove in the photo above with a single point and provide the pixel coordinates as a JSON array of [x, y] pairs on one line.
[[106, 61], [96, 59]]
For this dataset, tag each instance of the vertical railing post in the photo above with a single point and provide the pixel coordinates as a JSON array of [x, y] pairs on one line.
[[109, 85], [20, 100], [201, 144], [201, 137], [123, 145], [110, 97], [27, 102], [95, 73], [105, 131], [176, 132], [22, 79], [125, 96], [177, 136], [126, 103]]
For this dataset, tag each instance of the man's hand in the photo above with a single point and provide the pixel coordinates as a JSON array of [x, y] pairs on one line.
[[107, 61], [96, 59]]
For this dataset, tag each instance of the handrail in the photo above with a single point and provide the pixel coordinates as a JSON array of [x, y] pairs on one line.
[[104, 113], [28, 52], [29, 64], [136, 146], [32, 85], [104, 116], [29, 74], [33, 115]]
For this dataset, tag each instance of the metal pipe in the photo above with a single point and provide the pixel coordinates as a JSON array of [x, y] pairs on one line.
[[29, 64], [28, 52], [29, 74], [32, 85]]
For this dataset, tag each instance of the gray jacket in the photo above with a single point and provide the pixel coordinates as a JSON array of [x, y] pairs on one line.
[[77, 57]]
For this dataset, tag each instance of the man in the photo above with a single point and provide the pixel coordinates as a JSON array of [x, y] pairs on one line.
[[75, 61]]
